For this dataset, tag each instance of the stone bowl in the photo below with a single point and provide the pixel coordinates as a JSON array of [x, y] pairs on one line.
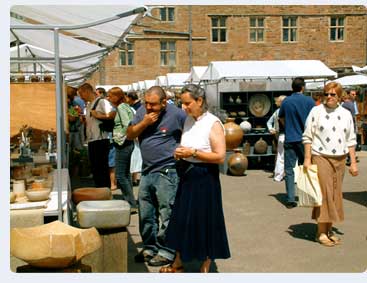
[[53, 245], [37, 195], [91, 193]]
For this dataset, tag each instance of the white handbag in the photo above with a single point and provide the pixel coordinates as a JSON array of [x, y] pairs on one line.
[[308, 187]]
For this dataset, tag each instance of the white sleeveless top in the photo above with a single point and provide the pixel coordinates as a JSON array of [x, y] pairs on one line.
[[196, 133]]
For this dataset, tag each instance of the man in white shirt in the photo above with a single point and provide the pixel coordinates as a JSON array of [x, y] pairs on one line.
[[97, 109]]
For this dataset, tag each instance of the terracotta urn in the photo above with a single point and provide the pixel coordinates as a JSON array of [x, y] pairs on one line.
[[233, 133], [260, 146], [47, 78], [35, 78], [91, 193], [237, 163], [53, 245], [21, 79]]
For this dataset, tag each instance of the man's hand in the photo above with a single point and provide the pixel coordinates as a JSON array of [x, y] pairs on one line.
[[150, 118]]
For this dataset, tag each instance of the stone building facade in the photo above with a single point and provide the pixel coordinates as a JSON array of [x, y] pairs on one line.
[[183, 36]]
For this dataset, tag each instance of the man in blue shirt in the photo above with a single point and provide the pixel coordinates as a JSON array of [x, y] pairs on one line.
[[292, 114], [158, 127]]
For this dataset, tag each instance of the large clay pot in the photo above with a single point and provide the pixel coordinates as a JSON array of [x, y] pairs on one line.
[[260, 146], [234, 134], [237, 163], [82, 194]]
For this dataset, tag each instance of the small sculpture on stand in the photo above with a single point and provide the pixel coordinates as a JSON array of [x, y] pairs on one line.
[[231, 100], [25, 154], [51, 147]]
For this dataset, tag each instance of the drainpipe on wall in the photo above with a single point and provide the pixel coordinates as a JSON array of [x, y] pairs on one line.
[[190, 37]]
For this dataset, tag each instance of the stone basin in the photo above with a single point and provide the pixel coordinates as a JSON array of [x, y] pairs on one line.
[[53, 245], [91, 193], [103, 214]]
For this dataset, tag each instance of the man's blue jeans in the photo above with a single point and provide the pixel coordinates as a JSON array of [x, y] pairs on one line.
[[122, 171], [293, 151], [157, 194]]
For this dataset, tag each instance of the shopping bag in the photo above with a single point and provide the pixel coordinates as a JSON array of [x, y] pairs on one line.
[[308, 187]]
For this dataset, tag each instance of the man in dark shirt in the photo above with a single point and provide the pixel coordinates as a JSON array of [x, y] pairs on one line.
[[158, 127], [292, 114]]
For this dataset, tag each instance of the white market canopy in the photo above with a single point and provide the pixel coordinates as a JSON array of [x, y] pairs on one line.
[[161, 81], [196, 74], [106, 34], [362, 70], [149, 83], [352, 80], [273, 69], [105, 26]]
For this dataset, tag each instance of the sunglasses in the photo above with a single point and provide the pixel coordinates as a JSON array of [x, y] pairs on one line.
[[331, 94]]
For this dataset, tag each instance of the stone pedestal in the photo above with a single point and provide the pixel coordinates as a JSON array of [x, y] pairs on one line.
[[112, 256]]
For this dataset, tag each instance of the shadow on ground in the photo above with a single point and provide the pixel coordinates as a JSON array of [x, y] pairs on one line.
[[282, 198], [357, 197], [307, 231]]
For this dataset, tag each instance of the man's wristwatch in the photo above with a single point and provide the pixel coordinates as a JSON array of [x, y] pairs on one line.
[[194, 154]]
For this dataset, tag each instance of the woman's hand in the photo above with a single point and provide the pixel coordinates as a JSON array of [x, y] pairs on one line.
[[307, 163], [353, 169], [183, 152]]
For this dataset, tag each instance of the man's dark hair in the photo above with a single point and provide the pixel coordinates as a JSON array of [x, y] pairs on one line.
[[157, 90], [297, 84], [133, 95]]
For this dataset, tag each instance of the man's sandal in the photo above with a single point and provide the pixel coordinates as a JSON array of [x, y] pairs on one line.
[[171, 269], [324, 240]]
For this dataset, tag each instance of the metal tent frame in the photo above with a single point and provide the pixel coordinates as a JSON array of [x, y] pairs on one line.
[[58, 60]]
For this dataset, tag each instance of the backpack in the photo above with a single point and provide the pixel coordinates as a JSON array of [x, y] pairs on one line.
[[106, 125]]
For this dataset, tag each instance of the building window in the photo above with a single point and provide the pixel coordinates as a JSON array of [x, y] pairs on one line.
[[127, 54], [167, 14], [289, 29], [257, 29], [168, 53], [219, 29], [336, 28]]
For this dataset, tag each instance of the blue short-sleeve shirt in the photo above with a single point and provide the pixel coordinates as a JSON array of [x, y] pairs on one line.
[[294, 110], [159, 141]]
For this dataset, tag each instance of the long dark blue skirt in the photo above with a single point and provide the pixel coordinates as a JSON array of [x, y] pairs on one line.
[[197, 228]]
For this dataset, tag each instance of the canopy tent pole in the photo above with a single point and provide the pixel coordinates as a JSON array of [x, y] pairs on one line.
[[60, 137], [58, 82]]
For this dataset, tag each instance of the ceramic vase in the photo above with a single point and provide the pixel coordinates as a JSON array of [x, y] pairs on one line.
[[260, 146], [234, 134], [237, 163]]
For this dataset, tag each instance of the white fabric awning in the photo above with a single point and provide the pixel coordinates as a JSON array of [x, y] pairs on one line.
[[161, 81], [275, 69], [176, 79], [107, 34], [352, 80], [362, 70], [196, 73], [149, 83]]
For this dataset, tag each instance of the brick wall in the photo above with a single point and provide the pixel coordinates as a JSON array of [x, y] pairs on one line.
[[313, 40]]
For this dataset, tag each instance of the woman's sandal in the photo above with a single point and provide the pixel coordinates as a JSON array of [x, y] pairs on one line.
[[324, 240], [171, 269], [334, 238]]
